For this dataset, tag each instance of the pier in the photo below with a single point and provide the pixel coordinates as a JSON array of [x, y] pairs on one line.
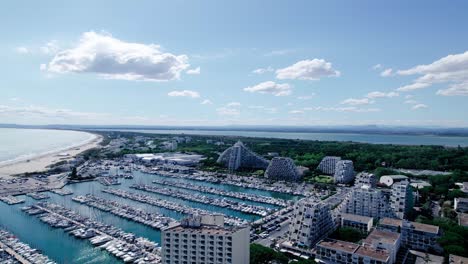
[[13, 253]]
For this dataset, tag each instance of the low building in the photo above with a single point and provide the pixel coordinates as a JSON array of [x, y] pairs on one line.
[[282, 168], [384, 240], [344, 171], [328, 164], [335, 251], [362, 223], [463, 219], [424, 258], [389, 180], [454, 259], [205, 239], [461, 205], [365, 178], [310, 222]]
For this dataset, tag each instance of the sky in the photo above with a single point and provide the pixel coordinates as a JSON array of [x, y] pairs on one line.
[[297, 63]]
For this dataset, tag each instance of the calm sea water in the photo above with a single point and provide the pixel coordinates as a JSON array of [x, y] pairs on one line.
[[20, 144], [364, 138], [64, 248]]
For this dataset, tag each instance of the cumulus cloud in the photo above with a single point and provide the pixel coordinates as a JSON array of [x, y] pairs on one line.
[[194, 71], [419, 106], [116, 59], [459, 89], [353, 101], [452, 69], [387, 72], [378, 94], [270, 87], [263, 70], [411, 101], [184, 93], [50, 47], [206, 102], [22, 50], [308, 70]]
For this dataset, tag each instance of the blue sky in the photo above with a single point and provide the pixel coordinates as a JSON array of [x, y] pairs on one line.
[[238, 62]]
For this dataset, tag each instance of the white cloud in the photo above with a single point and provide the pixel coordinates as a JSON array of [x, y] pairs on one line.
[[184, 93], [378, 94], [50, 47], [411, 101], [45, 112], [233, 104], [295, 112], [280, 52], [263, 70], [194, 71], [115, 59], [452, 69], [409, 96], [270, 87], [412, 87], [227, 111], [308, 70], [353, 101], [306, 97], [419, 106], [342, 109], [269, 110], [387, 72], [459, 89], [377, 66], [206, 102], [22, 50]]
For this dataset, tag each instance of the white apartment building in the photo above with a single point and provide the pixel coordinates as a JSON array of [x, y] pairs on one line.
[[401, 200], [328, 164], [365, 178], [310, 222], [204, 239], [281, 168], [344, 171], [362, 223], [335, 251], [367, 201], [384, 240]]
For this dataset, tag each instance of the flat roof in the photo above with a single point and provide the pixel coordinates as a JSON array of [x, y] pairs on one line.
[[339, 245], [356, 218], [204, 229], [425, 228], [391, 222], [454, 259], [382, 236], [365, 251]]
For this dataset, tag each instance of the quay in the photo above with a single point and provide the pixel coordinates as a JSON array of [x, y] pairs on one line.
[[142, 198], [17, 256], [238, 195], [62, 192], [236, 206], [11, 200], [38, 196]]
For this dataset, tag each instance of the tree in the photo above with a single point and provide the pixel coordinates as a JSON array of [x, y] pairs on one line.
[[264, 255]]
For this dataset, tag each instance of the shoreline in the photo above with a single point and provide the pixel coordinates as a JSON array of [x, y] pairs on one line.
[[41, 162]]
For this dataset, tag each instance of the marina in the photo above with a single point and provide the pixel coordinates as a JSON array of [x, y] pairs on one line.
[[19, 252], [38, 196], [11, 200]]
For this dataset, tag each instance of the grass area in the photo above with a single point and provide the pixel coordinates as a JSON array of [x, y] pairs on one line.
[[324, 179]]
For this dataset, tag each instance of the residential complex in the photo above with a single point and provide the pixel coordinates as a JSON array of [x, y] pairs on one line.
[[205, 239], [365, 178], [384, 240], [328, 164], [361, 223], [239, 156], [461, 205], [335, 251], [311, 221], [367, 201], [344, 171], [389, 180], [401, 200], [281, 168]]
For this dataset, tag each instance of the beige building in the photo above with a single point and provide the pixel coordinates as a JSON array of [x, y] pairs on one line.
[[335, 251], [205, 239], [362, 223]]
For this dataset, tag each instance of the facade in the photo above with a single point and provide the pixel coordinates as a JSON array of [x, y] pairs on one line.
[[335, 251], [328, 164], [344, 171], [362, 223], [281, 168], [389, 180], [365, 178], [461, 205], [384, 240], [401, 200], [204, 239], [239, 156], [413, 235], [367, 201], [311, 221]]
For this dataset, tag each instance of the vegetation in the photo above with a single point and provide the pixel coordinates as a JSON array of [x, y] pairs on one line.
[[264, 255], [324, 179]]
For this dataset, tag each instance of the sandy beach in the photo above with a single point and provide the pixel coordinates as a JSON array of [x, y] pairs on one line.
[[41, 162]]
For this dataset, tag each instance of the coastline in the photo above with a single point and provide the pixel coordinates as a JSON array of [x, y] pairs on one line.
[[41, 162]]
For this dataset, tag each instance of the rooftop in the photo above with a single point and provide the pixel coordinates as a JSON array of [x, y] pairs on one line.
[[356, 218], [339, 245], [454, 259], [365, 251], [207, 230], [425, 228], [382, 236], [391, 222]]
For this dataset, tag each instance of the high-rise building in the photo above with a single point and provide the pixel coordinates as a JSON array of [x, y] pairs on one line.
[[365, 178], [328, 164], [344, 171], [205, 239], [281, 168], [311, 221], [401, 200], [367, 201], [239, 156]]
